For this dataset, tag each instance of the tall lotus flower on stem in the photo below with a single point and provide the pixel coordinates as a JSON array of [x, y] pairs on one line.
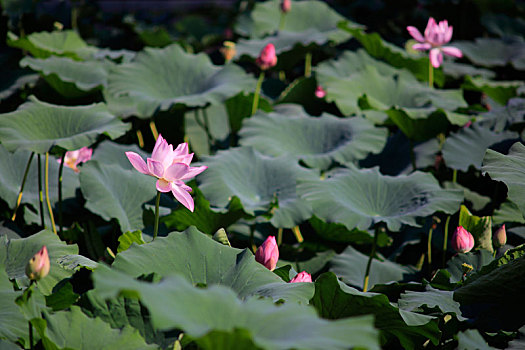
[[266, 60], [462, 240], [268, 253], [301, 277], [285, 6], [171, 168], [436, 35]]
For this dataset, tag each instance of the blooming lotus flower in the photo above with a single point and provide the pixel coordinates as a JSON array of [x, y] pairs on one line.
[[301, 277], [286, 6], [436, 35], [500, 237], [38, 266], [319, 92], [74, 158], [171, 168], [268, 253], [462, 240], [267, 58]]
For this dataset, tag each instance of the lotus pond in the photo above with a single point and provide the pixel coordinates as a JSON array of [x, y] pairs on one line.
[[262, 175]]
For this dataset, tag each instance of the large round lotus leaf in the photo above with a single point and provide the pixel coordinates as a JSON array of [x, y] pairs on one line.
[[109, 152], [15, 253], [509, 169], [413, 301], [317, 141], [38, 126], [116, 193], [303, 16], [359, 198], [494, 52], [203, 261], [218, 320], [501, 118], [499, 91], [261, 183], [467, 147], [160, 78]]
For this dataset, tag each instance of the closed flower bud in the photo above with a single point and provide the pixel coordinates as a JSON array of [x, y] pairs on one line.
[[38, 267], [462, 240], [319, 92], [286, 5], [500, 237], [267, 58], [228, 50], [268, 253], [302, 277]]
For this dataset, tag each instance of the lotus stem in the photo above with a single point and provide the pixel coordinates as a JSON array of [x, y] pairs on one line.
[[279, 236], [19, 199], [257, 93], [74, 17], [282, 21], [445, 238], [153, 128], [430, 74], [308, 65], [297, 232], [156, 227], [48, 201], [429, 245], [140, 139], [40, 194], [60, 171], [369, 263], [30, 335]]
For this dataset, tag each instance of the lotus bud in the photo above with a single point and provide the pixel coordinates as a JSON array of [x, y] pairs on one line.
[[462, 240], [38, 267], [268, 253], [319, 92], [500, 237], [267, 58], [286, 6], [301, 277], [228, 50]]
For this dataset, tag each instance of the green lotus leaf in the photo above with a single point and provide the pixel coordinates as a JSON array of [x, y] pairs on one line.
[[414, 301], [216, 312], [467, 146], [160, 78], [15, 253], [262, 184], [510, 169], [334, 300], [360, 198], [472, 339], [502, 117], [74, 330], [499, 91], [14, 79], [507, 212], [477, 259], [116, 193], [109, 152], [460, 70], [38, 126], [316, 141], [494, 52], [204, 261], [304, 16]]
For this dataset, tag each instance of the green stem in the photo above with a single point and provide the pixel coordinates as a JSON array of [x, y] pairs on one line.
[[430, 74], [48, 201], [60, 171], [153, 129], [454, 176], [429, 246], [74, 17], [252, 233], [40, 194], [279, 236], [19, 199], [156, 228], [257, 93], [445, 241], [282, 21], [30, 335], [369, 264], [308, 65]]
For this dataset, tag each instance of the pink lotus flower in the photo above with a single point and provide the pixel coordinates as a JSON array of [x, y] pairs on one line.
[[268, 253], [74, 158], [436, 35], [319, 92], [301, 277], [171, 168], [500, 237], [462, 240], [267, 58], [38, 266], [286, 5]]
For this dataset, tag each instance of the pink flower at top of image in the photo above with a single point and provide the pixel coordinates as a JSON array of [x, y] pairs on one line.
[[267, 58], [74, 158], [268, 253], [301, 277], [436, 35], [171, 168], [462, 240], [286, 5], [319, 92]]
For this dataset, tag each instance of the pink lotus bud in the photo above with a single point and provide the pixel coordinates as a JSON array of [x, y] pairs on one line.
[[286, 5], [38, 267], [319, 92], [462, 240], [74, 158], [301, 277], [500, 237], [267, 58], [268, 253]]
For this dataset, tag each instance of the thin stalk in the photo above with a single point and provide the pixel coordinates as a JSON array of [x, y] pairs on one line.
[[282, 75], [19, 199], [282, 21], [153, 128], [60, 171], [40, 194], [298, 236], [445, 239], [430, 74], [369, 264], [140, 138], [30, 335], [279, 236], [49, 208], [429, 245], [308, 65], [252, 232], [257, 93], [74, 17], [156, 227]]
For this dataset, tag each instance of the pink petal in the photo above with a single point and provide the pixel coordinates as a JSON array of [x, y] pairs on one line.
[[163, 185], [448, 34], [155, 168], [452, 51], [193, 171], [183, 159], [415, 34], [183, 197], [422, 47], [436, 57], [137, 162], [431, 28], [182, 149], [162, 152], [176, 171], [84, 154]]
